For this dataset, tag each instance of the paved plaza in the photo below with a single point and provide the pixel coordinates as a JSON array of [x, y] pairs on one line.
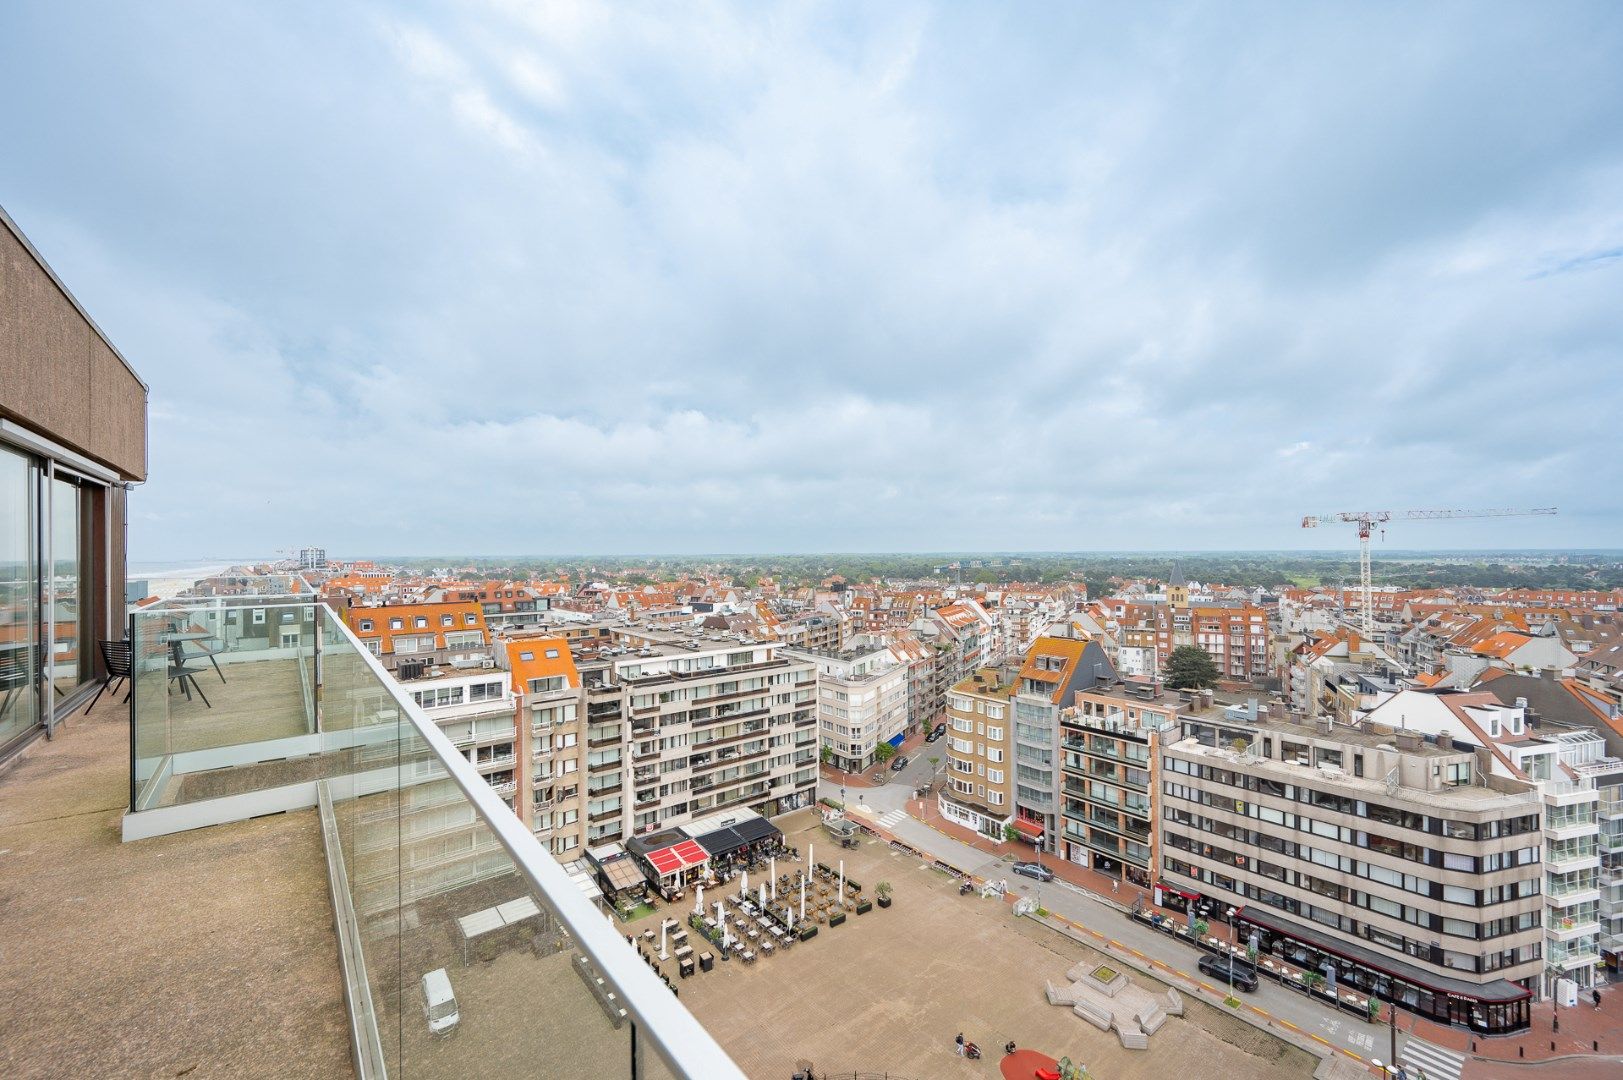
[[887, 991]]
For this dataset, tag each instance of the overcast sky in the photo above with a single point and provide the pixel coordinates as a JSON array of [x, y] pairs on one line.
[[513, 277]]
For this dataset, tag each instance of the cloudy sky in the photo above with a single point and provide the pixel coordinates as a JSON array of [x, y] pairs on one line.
[[525, 277]]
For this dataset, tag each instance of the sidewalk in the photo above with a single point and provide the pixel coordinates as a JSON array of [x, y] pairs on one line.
[[1582, 1030]]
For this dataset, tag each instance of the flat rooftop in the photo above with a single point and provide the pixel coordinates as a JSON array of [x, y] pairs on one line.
[[1473, 797], [206, 953], [985, 683]]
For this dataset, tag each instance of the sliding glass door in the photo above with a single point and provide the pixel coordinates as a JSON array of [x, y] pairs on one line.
[[71, 575], [19, 596]]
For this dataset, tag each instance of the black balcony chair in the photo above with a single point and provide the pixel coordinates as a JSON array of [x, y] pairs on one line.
[[14, 679], [186, 675], [116, 658], [197, 642]]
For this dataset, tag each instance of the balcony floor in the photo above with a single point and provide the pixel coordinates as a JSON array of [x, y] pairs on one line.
[[203, 954]]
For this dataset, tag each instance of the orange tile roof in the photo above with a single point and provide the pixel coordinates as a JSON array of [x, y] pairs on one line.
[[1502, 644], [379, 618], [540, 665], [1069, 649]]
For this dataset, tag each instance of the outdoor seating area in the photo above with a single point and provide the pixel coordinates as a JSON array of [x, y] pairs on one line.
[[782, 1006]]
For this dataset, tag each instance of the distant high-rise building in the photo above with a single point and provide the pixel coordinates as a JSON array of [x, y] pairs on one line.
[[312, 558]]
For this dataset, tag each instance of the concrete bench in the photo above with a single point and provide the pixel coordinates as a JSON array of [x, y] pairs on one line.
[[1096, 1015]]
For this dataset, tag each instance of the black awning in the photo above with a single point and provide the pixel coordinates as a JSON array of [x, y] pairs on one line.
[[1500, 990], [736, 837]]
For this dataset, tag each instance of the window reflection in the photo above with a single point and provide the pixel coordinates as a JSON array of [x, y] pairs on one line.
[[19, 595]]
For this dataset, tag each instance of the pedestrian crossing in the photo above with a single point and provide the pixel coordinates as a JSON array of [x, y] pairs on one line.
[[1438, 1063], [893, 818]]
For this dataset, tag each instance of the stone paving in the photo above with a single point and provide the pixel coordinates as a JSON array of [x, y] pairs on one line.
[[888, 990]]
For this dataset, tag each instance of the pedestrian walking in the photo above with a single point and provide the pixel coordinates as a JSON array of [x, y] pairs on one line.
[[960, 1042], [1594, 995], [1114, 885]]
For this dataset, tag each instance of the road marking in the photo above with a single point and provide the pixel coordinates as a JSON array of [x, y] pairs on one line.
[[891, 819], [1439, 1062], [1292, 1026], [1322, 1039]]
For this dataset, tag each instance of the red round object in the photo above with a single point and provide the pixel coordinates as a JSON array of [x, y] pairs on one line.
[[1027, 1064]]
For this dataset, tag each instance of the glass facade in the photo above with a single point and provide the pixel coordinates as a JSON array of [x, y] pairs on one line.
[[70, 580], [19, 596], [49, 577]]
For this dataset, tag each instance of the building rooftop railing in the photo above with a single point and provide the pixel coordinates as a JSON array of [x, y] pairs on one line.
[[295, 712]]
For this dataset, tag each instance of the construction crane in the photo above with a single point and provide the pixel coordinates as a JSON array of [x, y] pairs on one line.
[[1366, 520]]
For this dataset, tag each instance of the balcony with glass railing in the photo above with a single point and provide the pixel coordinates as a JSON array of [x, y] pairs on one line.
[[428, 869]]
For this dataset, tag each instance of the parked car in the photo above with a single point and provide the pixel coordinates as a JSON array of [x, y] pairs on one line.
[[932, 735], [1245, 975], [940, 730], [439, 1003], [1032, 870], [898, 763]]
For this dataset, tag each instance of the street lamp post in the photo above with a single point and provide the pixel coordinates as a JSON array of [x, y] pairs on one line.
[[1234, 943]]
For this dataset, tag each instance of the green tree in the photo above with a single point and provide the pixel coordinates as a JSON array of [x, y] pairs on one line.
[[883, 752], [826, 753], [1190, 667]]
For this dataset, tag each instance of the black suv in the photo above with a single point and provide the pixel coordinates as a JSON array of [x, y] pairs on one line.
[[898, 763], [1245, 975]]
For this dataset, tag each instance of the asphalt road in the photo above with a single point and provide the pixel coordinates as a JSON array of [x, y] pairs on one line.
[[1082, 907]]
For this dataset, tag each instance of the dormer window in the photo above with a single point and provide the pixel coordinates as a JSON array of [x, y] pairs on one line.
[[366, 626], [526, 656], [421, 622], [397, 624]]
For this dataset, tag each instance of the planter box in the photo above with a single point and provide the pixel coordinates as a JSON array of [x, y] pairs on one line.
[[835, 920], [808, 933], [884, 901], [864, 907]]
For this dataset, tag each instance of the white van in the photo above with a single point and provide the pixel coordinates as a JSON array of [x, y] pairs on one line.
[[439, 1004]]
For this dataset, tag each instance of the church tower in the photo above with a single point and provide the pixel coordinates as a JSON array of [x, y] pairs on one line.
[[1178, 590]]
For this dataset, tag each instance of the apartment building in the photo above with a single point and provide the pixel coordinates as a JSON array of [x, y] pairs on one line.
[[1109, 743], [550, 714], [862, 701], [1568, 768], [979, 793], [679, 724], [1383, 859], [1054, 671], [1236, 638]]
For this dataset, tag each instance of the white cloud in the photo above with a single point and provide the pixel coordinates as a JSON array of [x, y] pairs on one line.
[[906, 276]]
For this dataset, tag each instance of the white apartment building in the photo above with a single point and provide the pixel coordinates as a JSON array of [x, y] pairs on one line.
[[862, 701], [1565, 765], [679, 724]]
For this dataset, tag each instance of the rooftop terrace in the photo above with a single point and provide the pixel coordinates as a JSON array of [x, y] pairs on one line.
[[300, 850], [206, 954]]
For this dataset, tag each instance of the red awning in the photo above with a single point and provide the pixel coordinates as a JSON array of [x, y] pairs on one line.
[[1030, 828], [677, 857]]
